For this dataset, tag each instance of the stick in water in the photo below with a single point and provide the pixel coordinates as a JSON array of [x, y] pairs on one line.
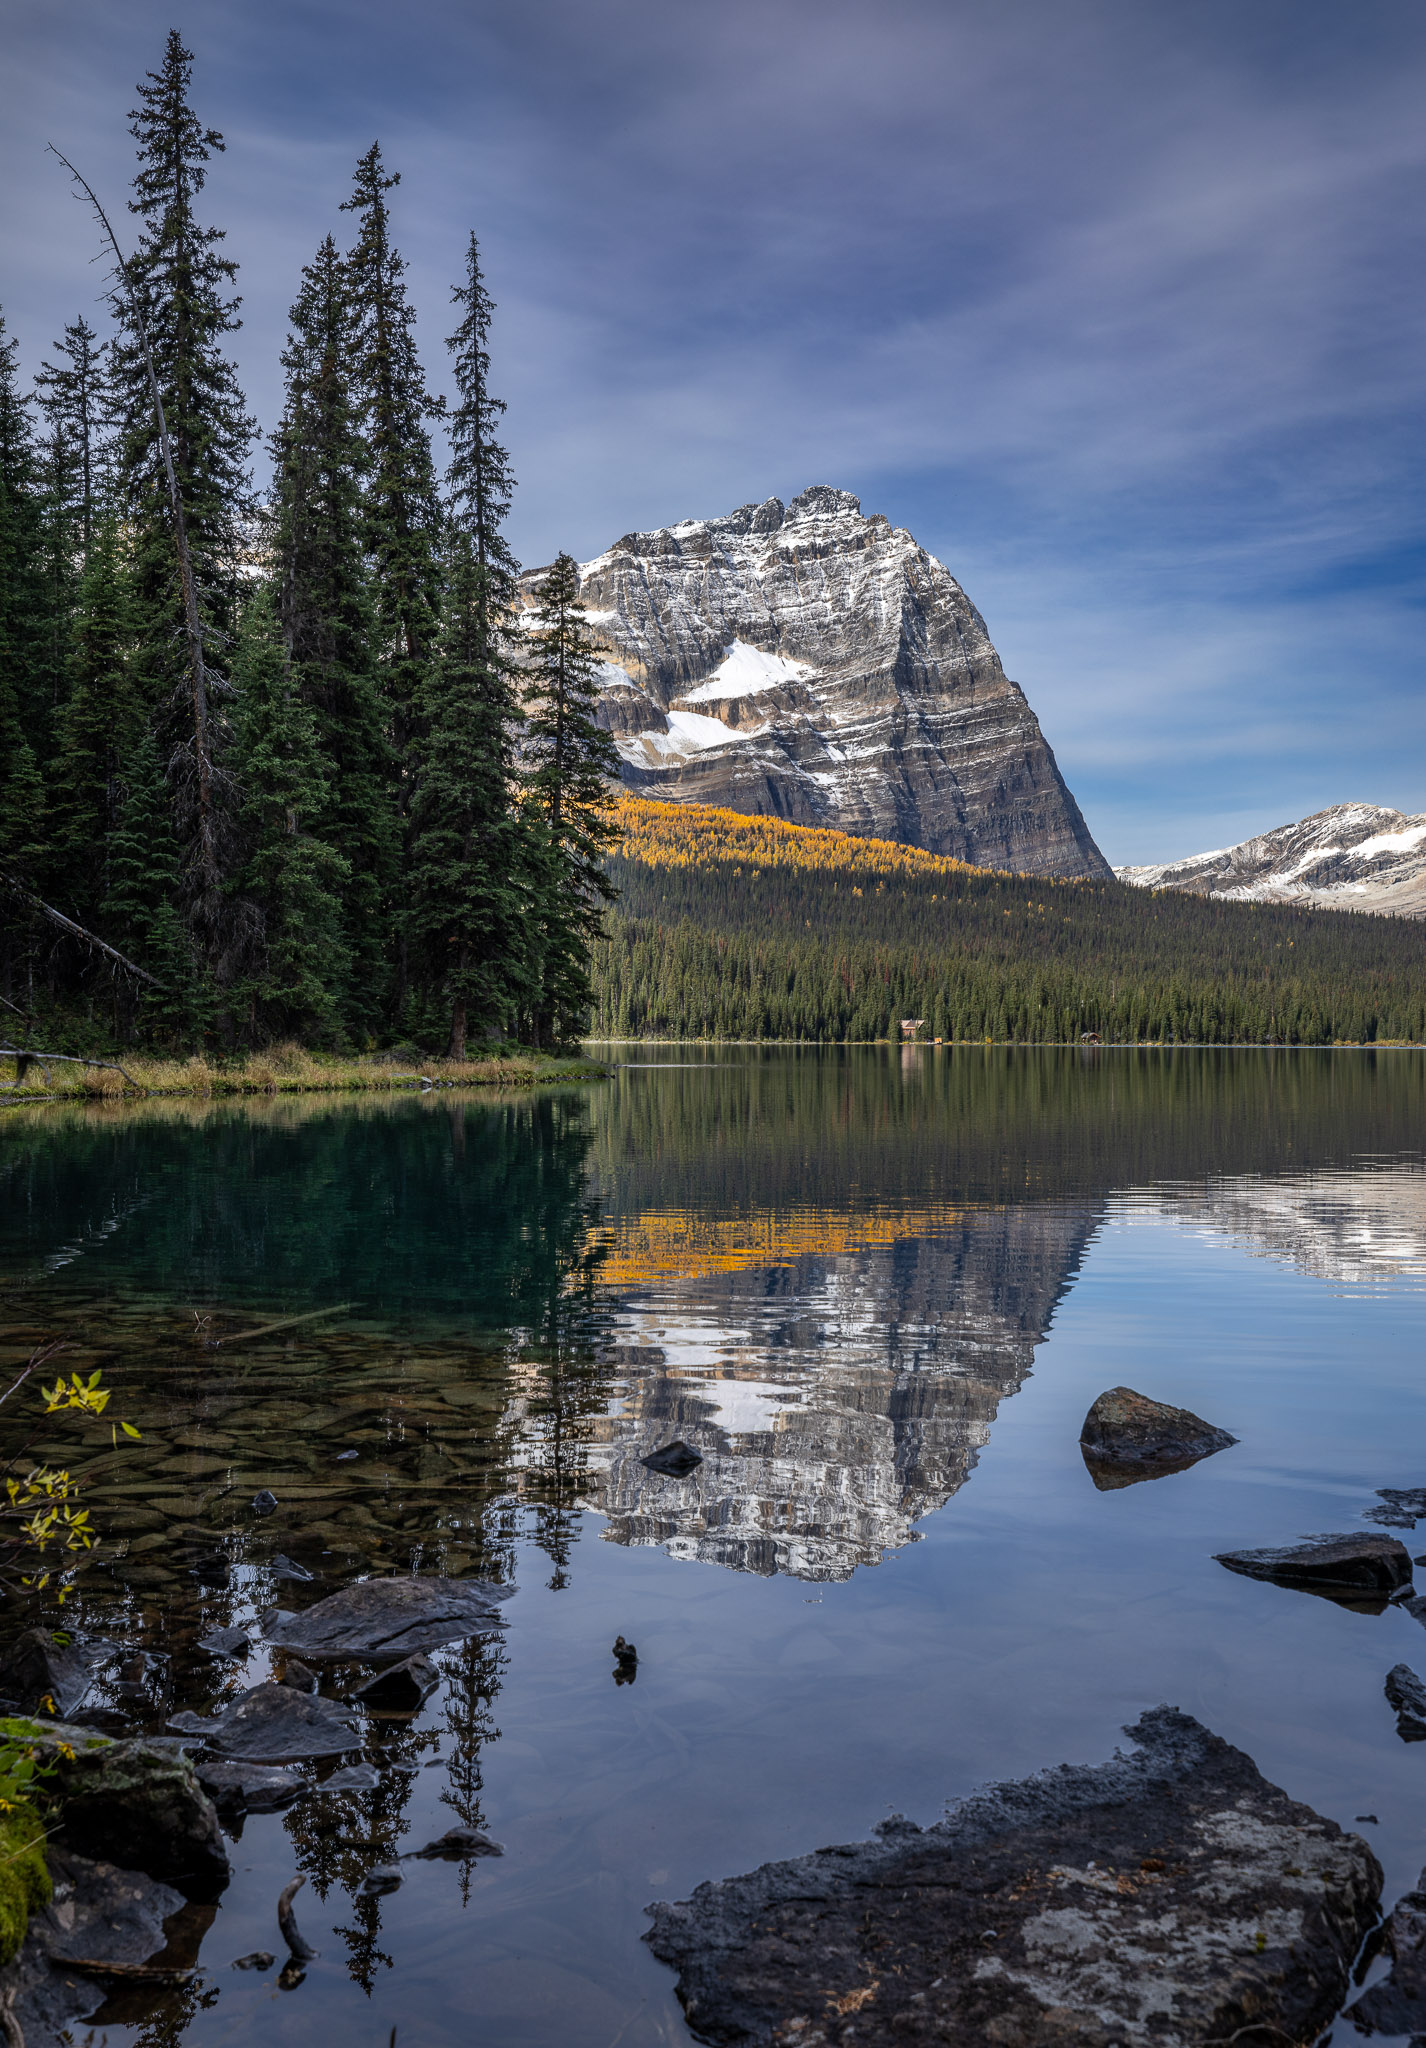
[[267, 1329], [287, 1921]]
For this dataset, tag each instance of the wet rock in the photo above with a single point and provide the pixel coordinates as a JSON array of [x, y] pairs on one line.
[[1405, 1500], [385, 1621], [1389, 1517], [239, 1787], [400, 1689], [211, 1571], [296, 1674], [36, 1668], [1171, 1897], [351, 1778], [284, 1568], [1357, 1568], [1397, 2005], [382, 1878], [455, 1845], [264, 1502], [135, 1804], [225, 1642], [1127, 1437], [260, 1959], [1408, 1696], [677, 1459], [272, 1724], [99, 1911]]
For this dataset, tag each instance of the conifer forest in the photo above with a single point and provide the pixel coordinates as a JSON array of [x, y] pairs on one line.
[[279, 764]]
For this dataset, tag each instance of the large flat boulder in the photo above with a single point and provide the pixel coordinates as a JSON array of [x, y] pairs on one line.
[[385, 1621], [1355, 1568], [1167, 1899], [99, 1913], [273, 1724], [1127, 1437]]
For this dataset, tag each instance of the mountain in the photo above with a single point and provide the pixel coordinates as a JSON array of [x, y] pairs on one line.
[[804, 662], [1351, 857]]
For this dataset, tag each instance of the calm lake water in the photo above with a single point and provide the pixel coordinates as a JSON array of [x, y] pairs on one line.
[[878, 1289]]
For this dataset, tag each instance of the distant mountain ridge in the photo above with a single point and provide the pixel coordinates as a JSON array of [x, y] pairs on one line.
[[805, 662], [1348, 857]]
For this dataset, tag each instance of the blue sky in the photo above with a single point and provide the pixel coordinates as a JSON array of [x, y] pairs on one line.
[[1118, 307]]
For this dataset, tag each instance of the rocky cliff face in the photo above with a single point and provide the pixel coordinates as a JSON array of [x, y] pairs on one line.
[[807, 662], [1351, 857]]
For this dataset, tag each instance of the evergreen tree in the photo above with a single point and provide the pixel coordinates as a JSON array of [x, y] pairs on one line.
[[570, 764], [468, 888], [291, 880], [182, 281], [140, 910], [466, 920], [24, 626], [403, 519], [77, 400], [99, 725], [328, 624]]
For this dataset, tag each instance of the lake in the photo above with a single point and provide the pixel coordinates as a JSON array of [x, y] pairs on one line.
[[877, 1288]]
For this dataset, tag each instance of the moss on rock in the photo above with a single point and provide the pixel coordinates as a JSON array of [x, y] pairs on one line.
[[24, 1880]]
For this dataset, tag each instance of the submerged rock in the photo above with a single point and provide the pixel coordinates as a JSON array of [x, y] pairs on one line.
[[1408, 1695], [1356, 1567], [455, 1845], [401, 1688], [677, 1459], [1397, 2005], [273, 1724], [225, 1642], [1172, 1897], [351, 1778], [235, 1786], [380, 1879], [1127, 1437], [384, 1621]]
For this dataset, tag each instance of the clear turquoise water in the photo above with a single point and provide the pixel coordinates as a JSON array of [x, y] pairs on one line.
[[879, 1292]]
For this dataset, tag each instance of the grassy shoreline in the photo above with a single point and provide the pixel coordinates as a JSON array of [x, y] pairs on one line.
[[289, 1070]]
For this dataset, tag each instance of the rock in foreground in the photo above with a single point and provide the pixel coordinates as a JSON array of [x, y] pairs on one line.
[[1352, 1568], [132, 1803], [384, 1621], [272, 1724], [1127, 1437], [1172, 1898]]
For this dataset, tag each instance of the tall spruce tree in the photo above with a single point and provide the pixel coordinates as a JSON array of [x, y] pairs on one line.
[[97, 729], [297, 965], [182, 282], [76, 398], [468, 899], [326, 612], [25, 636], [403, 519], [140, 910], [571, 763]]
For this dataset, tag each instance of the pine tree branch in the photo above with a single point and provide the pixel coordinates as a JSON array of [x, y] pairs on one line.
[[193, 624], [76, 931]]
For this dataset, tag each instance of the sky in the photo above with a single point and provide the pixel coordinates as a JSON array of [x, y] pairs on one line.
[[1121, 309]]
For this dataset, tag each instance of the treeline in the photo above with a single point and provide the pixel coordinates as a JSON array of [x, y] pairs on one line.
[[749, 928], [281, 766]]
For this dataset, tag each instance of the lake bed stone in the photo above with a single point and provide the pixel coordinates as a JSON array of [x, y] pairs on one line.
[[1407, 1695], [234, 1785], [401, 1688], [385, 1621], [1166, 1899], [1127, 1437], [35, 1668]]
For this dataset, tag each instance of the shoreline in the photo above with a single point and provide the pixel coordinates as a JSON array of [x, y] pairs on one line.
[[287, 1071]]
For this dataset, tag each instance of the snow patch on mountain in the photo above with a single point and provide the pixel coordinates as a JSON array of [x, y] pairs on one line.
[[1349, 857]]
